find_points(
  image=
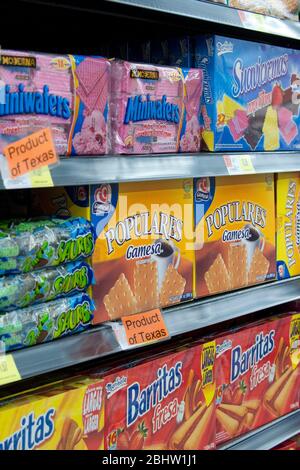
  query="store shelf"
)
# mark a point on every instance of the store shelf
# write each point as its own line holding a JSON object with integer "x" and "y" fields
{"x": 101, "y": 342}
{"x": 217, "y": 13}
{"x": 96, "y": 170}
{"x": 268, "y": 436}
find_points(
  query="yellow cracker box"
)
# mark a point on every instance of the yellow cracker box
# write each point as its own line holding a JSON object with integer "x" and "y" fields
{"x": 68, "y": 416}
{"x": 288, "y": 224}
{"x": 235, "y": 232}
{"x": 144, "y": 250}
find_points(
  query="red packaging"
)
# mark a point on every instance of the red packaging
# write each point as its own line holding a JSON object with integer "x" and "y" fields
{"x": 257, "y": 371}
{"x": 290, "y": 444}
{"x": 167, "y": 403}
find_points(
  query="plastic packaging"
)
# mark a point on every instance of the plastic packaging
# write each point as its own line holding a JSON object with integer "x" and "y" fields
{"x": 45, "y": 322}
{"x": 27, "y": 245}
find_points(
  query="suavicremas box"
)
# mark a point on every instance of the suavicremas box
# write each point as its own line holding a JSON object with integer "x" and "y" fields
{"x": 167, "y": 403}
{"x": 257, "y": 371}
{"x": 251, "y": 95}
{"x": 235, "y": 232}
{"x": 144, "y": 252}
{"x": 66, "y": 416}
{"x": 288, "y": 224}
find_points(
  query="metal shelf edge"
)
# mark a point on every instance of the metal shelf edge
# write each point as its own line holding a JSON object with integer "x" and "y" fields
{"x": 100, "y": 341}
{"x": 268, "y": 436}
{"x": 96, "y": 170}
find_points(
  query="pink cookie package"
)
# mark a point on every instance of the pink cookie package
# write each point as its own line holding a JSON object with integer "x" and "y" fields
{"x": 154, "y": 109}
{"x": 67, "y": 93}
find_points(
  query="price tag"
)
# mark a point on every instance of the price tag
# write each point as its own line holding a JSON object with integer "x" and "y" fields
{"x": 145, "y": 328}
{"x": 253, "y": 21}
{"x": 41, "y": 178}
{"x": 8, "y": 369}
{"x": 31, "y": 153}
{"x": 239, "y": 164}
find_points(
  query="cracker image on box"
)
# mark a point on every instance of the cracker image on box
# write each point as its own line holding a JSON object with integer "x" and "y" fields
{"x": 288, "y": 225}
{"x": 143, "y": 258}
{"x": 234, "y": 232}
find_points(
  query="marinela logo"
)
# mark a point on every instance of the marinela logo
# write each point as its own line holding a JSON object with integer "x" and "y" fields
{"x": 202, "y": 189}
{"x": 102, "y": 200}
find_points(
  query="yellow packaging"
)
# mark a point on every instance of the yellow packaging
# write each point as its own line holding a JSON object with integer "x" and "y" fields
{"x": 288, "y": 224}
{"x": 144, "y": 254}
{"x": 235, "y": 232}
{"x": 67, "y": 416}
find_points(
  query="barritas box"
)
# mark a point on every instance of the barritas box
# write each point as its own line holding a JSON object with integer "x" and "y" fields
{"x": 143, "y": 254}
{"x": 288, "y": 224}
{"x": 234, "y": 232}
{"x": 257, "y": 371}
{"x": 66, "y": 416}
{"x": 250, "y": 95}
{"x": 167, "y": 403}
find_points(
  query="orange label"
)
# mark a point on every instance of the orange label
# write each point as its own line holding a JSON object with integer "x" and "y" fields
{"x": 145, "y": 327}
{"x": 30, "y": 153}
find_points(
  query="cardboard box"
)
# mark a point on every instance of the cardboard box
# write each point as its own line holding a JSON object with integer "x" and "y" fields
{"x": 257, "y": 371}
{"x": 66, "y": 416}
{"x": 288, "y": 224}
{"x": 251, "y": 95}
{"x": 235, "y": 232}
{"x": 167, "y": 403}
{"x": 144, "y": 254}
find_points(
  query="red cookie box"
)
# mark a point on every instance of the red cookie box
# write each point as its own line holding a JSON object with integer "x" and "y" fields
{"x": 290, "y": 444}
{"x": 167, "y": 403}
{"x": 257, "y": 373}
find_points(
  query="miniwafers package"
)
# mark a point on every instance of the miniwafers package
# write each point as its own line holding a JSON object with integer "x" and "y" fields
{"x": 67, "y": 93}
{"x": 45, "y": 322}
{"x": 155, "y": 109}
{"x": 251, "y": 95}
{"x": 235, "y": 232}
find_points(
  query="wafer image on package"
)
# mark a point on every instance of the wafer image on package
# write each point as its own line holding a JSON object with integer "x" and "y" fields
{"x": 234, "y": 217}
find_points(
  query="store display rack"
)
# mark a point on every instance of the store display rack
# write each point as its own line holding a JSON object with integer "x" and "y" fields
{"x": 268, "y": 436}
{"x": 121, "y": 169}
{"x": 100, "y": 342}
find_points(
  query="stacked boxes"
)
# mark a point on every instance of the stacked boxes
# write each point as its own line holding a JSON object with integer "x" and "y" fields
{"x": 193, "y": 397}
{"x": 235, "y": 232}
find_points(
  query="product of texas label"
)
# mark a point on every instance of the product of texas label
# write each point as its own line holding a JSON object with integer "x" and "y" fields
{"x": 288, "y": 224}
{"x": 251, "y": 95}
{"x": 65, "y": 416}
{"x": 235, "y": 232}
{"x": 167, "y": 403}
{"x": 257, "y": 371}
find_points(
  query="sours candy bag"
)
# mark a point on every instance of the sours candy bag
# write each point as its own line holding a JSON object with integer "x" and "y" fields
{"x": 45, "y": 322}
{"x": 34, "y": 244}
{"x": 21, "y": 290}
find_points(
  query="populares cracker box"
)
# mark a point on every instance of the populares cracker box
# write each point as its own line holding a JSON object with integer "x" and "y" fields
{"x": 165, "y": 404}
{"x": 288, "y": 224}
{"x": 66, "y": 416}
{"x": 143, "y": 254}
{"x": 235, "y": 232}
{"x": 257, "y": 371}
{"x": 250, "y": 95}
{"x": 155, "y": 109}
{"x": 67, "y": 93}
